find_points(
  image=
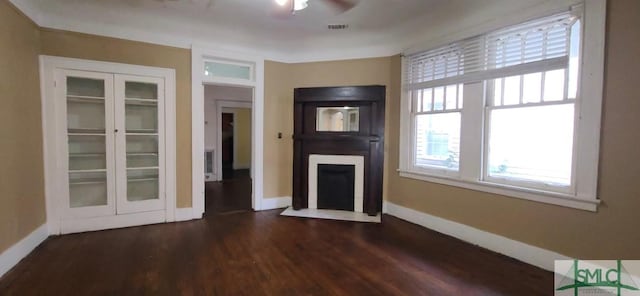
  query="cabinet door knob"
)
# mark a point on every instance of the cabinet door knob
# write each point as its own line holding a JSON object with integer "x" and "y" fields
{"x": 116, "y": 130}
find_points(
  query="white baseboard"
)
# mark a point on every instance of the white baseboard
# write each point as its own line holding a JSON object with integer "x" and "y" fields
{"x": 11, "y": 256}
{"x": 526, "y": 253}
{"x": 185, "y": 214}
{"x": 276, "y": 203}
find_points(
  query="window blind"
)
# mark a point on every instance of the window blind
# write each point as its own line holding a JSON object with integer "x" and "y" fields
{"x": 530, "y": 47}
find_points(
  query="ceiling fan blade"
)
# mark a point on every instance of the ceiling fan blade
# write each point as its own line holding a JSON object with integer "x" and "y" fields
{"x": 342, "y": 5}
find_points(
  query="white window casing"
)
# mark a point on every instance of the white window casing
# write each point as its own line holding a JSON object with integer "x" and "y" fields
{"x": 474, "y": 62}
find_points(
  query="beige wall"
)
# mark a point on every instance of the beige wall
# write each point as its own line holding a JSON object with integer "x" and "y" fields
{"x": 278, "y": 153}
{"x": 83, "y": 46}
{"x": 22, "y": 205}
{"x": 610, "y": 233}
{"x": 280, "y": 80}
{"x": 242, "y": 128}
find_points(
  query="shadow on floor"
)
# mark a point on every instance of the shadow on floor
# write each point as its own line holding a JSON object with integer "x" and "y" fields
{"x": 231, "y": 195}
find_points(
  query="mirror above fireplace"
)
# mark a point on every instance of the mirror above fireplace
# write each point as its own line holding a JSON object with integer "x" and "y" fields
{"x": 338, "y": 119}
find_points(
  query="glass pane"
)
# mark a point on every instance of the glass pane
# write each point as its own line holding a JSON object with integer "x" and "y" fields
{"x": 574, "y": 60}
{"x": 452, "y": 95}
{"x": 338, "y": 119}
{"x": 142, "y": 184}
{"x": 137, "y": 160}
{"x": 215, "y": 69}
{"x": 85, "y": 87}
{"x": 140, "y": 90}
{"x": 438, "y": 98}
{"x": 86, "y": 142}
{"x": 460, "y": 95}
{"x": 427, "y": 97}
{"x": 532, "y": 88}
{"x": 512, "y": 90}
{"x": 438, "y": 140}
{"x": 87, "y": 189}
{"x": 554, "y": 85}
{"x": 141, "y": 117}
{"x": 532, "y": 144}
{"x": 142, "y": 144}
{"x": 497, "y": 92}
{"x": 85, "y": 115}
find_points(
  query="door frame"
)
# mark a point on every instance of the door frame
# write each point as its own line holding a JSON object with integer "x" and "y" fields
{"x": 220, "y": 106}
{"x": 51, "y": 143}
{"x": 199, "y": 55}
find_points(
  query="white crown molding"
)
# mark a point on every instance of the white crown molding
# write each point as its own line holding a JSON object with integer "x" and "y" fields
{"x": 29, "y": 8}
{"x": 533, "y": 255}
{"x": 11, "y": 256}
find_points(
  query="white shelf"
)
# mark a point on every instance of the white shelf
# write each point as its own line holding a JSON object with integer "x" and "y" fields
{"x": 142, "y": 153}
{"x": 140, "y": 198}
{"x": 86, "y": 131}
{"x": 142, "y": 131}
{"x": 141, "y": 102}
{"x": 142, "y": 168}
{"x": 142, "y": 179}
{"x": 84, "y": 98}
{"x": 142, "y": 134}
{"x": 88, "y": 171}
{"x": 74, "y": 155}
{"x": 87, "y": 182}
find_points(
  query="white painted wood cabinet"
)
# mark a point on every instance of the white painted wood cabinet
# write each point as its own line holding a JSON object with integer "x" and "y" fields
{"x": 106, "y": 136}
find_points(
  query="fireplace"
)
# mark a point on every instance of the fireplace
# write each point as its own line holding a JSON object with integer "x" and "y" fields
{"x": 338, "y": 149}
{"x": 336, "y": 182}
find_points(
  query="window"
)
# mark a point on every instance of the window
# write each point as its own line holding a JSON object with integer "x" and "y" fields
{"x": 510, "y": 111}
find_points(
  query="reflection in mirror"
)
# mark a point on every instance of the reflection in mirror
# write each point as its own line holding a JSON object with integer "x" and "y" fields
{"x": 338, "y": 119}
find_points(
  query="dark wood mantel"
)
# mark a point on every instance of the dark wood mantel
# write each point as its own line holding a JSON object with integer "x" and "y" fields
{"x": 367, "y": 142}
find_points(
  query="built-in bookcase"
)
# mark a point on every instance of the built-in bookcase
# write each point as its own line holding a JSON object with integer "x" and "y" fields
{"x": 110, "y": 145}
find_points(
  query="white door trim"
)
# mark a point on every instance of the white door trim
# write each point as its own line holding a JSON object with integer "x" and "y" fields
{"x": 198, "y": 55}
{"x": 220, "y": 106}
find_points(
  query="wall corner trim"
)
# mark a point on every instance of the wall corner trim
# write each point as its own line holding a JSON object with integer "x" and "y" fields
{"x": 276, "y": 203}
{"x": 515, "y": 249}
{"x": 11, "y": 256}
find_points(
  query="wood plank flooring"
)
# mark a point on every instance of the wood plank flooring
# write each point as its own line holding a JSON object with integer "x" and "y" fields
{"x": 230, "y": 195}
{"x": 249, "y": 253}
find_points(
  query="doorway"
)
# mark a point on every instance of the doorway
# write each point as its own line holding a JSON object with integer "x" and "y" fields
{"x": 228, "y": 138}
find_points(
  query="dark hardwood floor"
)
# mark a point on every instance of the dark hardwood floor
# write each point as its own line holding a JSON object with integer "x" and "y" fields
{"x": 249, "y": 253}
{"x": 232, "y": 194}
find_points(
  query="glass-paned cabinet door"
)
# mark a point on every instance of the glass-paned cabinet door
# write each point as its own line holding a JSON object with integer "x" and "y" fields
{"x": 88, "y": 121}
{"x": 139, "y": 143}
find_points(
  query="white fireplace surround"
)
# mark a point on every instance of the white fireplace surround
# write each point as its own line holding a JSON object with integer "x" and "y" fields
{"x": 358, "y": 188}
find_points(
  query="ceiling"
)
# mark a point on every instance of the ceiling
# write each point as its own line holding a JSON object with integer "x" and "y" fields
{"x": 376, "y": 27}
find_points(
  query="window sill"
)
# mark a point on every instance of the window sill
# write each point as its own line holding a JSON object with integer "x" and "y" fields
{"x": 559, "y": 199}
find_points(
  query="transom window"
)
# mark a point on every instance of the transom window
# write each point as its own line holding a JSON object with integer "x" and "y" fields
{"x": 500, "y": 110}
